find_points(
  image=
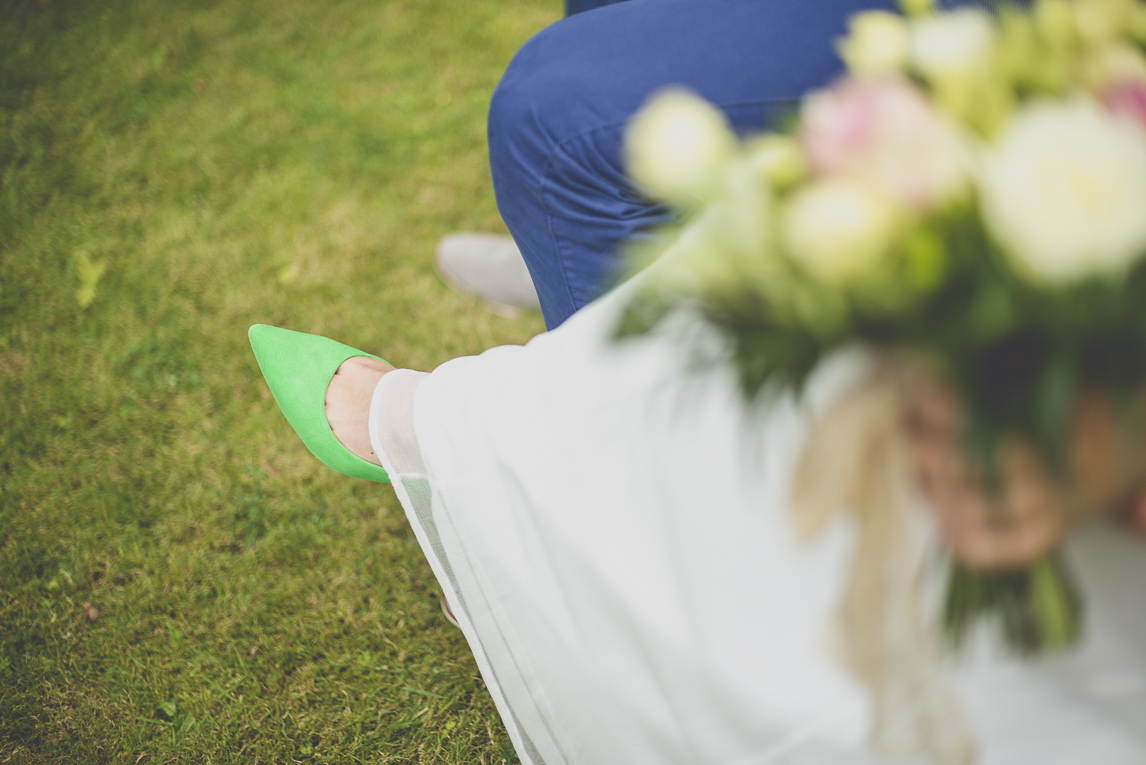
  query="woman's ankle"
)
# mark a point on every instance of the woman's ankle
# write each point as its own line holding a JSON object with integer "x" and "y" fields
{"x": 348, "y": 403}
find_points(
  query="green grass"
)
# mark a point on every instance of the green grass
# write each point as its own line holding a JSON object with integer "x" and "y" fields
{"x": 280, "y": 161}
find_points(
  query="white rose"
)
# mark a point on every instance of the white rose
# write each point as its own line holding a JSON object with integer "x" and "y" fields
{"x": 677, "y": 146}
{"x": 838, "y": 228}
{"x": 877, "y": 43}
{"x": 951, "y": 44}
{"x": 1064, "y": 190}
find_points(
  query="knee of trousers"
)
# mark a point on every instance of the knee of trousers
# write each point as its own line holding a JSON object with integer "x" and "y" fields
{"x": 519, "y": 147}
{"x": 556, "y": 172}
{"x": 533, "y": 108}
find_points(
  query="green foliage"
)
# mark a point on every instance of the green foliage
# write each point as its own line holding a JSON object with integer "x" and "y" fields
{"x": 162, "y": 166}
{"x": 1039, "y": 609}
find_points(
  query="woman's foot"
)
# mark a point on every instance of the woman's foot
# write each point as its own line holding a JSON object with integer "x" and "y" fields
{"x": 348, "y": 399}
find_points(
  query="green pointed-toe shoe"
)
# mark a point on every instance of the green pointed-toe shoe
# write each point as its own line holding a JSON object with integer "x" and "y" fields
{"x": 298, "y": 368}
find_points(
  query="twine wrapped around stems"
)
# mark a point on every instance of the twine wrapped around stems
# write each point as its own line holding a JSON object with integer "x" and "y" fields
{"x": 856, "y": 462}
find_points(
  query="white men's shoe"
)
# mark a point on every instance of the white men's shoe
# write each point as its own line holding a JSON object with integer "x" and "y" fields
{"x": 489, "y": 266}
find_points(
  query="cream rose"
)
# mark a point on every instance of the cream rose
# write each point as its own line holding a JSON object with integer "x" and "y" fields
{"x": 1064, "y": 190}
{"x": 838, "y": 228}
{"x": 877, "y": 43}
{"x": 778, "y": 159}
{"x": 677, "y": 147}
{"x": 954, "y": 44}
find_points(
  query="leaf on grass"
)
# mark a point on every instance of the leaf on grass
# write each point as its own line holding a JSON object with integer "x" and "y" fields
{"x": 288, "y": 273}
{"x": 90, "y": 273}
{"x": 168, "y": 709}
{"x": 424, "y": 693}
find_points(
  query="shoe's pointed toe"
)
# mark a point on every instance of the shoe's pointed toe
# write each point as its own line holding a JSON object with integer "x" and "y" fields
{"x": 298, "y": 368}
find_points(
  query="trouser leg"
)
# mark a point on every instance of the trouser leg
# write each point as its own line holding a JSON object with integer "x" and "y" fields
{"x": 558, "y": 116}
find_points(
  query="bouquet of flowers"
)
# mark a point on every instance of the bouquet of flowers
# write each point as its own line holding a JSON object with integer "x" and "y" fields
{"x": 969, "y": 200}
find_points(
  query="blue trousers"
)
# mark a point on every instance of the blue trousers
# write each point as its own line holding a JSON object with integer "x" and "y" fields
{"x": 557, "y": 118}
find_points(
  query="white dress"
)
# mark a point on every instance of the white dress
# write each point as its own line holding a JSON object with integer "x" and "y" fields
{"x": 610, "y": 524}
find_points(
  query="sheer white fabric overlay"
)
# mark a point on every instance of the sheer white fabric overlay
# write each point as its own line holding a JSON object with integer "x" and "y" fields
{"x": 609, "y": 523}
{"x": 393, "y": 437}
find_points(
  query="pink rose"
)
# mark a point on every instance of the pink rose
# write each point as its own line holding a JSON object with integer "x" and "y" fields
{"x": 1127, "y": 98}
{"x": 884, "y": 132}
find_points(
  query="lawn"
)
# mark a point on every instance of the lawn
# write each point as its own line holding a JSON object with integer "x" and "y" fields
{"x": 172, "y": 172}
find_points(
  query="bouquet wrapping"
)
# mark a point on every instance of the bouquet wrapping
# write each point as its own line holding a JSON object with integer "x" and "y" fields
{"x": 969, "y": 201}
